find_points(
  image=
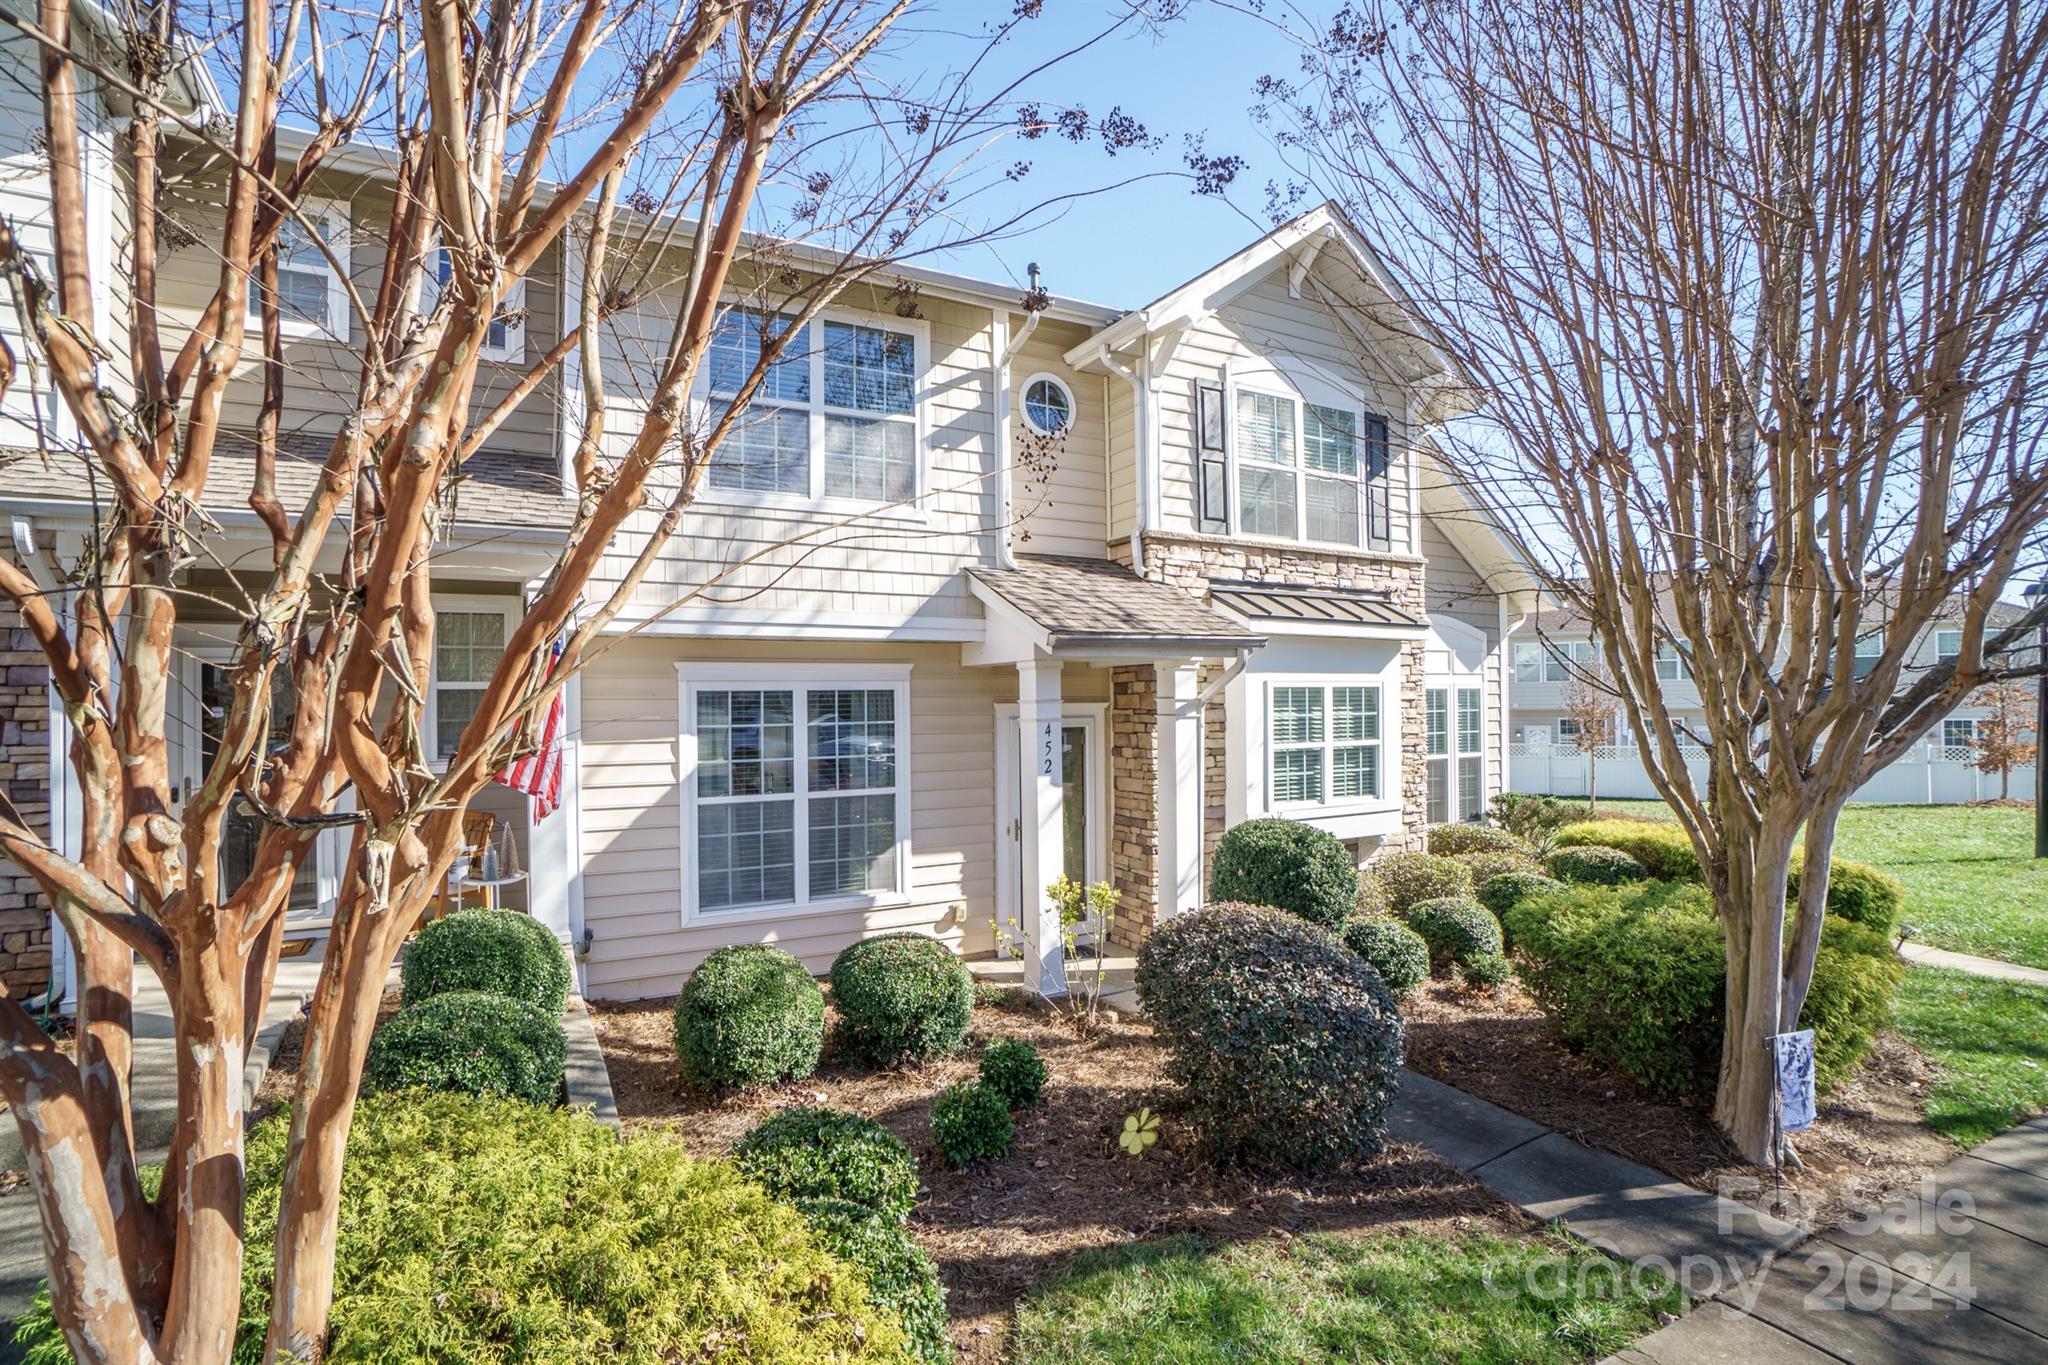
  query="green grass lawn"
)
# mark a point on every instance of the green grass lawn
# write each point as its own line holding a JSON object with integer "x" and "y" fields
{"x": 1972, "y": 882}
{"x": 1990, "y": 1040}
{"x": 1385, "y": 1297}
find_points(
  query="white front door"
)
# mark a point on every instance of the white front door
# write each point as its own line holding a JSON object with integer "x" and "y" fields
{"x": 1083, "y": 800}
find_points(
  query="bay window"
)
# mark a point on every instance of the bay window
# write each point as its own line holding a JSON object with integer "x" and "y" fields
{"x": 835, "y": 415}
{"x": 1323, "y": 743}
{"x": 794, "y": 794}
{"x": 1310, "y": 471}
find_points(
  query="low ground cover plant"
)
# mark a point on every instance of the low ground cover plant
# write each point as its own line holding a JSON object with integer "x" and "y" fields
{"x": 815, "y": 1153}
{"x": 499, "y": 951}
{"x": 1288, "y": 865}
{"x": 1285, "y": 1044}
{"x": 473, "y": 1043}
{"x": 901, "y": 995}
{"x": 750, "y": 1014}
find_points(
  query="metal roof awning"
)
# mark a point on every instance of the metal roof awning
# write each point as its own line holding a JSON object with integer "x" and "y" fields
{"x": 1303, "y": 609}
{"x": 1093, "y": 608}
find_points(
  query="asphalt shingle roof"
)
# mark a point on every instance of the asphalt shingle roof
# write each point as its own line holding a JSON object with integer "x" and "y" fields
{"x": 1094, "y": 601}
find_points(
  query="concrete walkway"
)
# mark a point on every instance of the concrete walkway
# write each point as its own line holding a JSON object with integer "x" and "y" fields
{"x": 1979, "y": 966}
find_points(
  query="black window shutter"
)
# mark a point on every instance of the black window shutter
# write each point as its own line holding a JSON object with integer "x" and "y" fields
{"x": 1212, "y": 474}
{"x": 1379, "y": 519}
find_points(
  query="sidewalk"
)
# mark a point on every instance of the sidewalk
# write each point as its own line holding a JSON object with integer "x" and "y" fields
{"x": 1977, "y": 966}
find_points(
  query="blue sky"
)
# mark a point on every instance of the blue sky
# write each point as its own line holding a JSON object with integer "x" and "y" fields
{"x": 1135, "y": 242}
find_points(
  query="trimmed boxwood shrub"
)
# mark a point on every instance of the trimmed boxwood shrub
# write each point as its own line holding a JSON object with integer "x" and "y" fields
{"x": 1458, "y": 931}
{"x": 1484, "y": 867}
{"x": 1392, "y": 949}
{"x": 1635, "y": 977}
{"x": 1860, "y": 894}
{"x": 899, "y": 995}
{"x": 1288, "y": 865}
{"x": 473, "y": 1043}
{"x": 1485, "y": 971}
{"x": 815, "y": 1153}
{"x": 1012, "y": 1068}
{"x": 1286, "y": 1046}
{"x": 1499, "y": 894}
{"x": 1594, "y": 865}
{"x": 492, "y": 1232}
{"x": 500, "y": 951}
{"x": 1449, "y": 841}
{"x": 902, "y": 1280}
{"x": 1412, "y": 877}
{"x": 748, "y": 1015}
{"x": 971, "y": 1121}
{"x": 1663, "y": 849}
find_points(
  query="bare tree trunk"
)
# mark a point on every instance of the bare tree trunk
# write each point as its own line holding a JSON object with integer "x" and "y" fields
{"x": 1751, "y": 899}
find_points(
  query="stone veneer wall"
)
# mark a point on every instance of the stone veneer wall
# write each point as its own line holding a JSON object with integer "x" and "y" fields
{"x": 1134, "y": 818}
{"x": 25, "y": 773}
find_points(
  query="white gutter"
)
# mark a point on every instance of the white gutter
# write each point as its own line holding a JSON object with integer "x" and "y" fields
{"x": 1139, "y": 380}
{"x": 1005, "y": 347}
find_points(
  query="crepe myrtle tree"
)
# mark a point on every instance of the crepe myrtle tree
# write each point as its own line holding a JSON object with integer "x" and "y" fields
{"x": 660, "y": 137}
{"x": 1745, "y": 306}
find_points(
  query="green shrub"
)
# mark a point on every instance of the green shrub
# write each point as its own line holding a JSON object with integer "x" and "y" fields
{"x": 1393, "y": 950}
{"x": 472, "y": 1043}
{"x": 1372, "y": 896}
{"x": 500, "y": 951}
{"x": 1499, "y": 894}
{"x": 1449, "y": 841}
{"x": 489, "y": 1232}
{"x": 1412, "y": 877}
{"x": 1012, "y": 1068}
{"x": 971, "y": 1121}
{"x": 901, "y": 995}
{"x": 1663, "y": 849}
{"x": 748, "y": 1015}
{"x": 1484, "y": 867}
{"x": 1288, "y": 865}
{"x": 1457, "y": 930}
{"x": 1636, "y": 977}
{"x": 903, "y": 1281}
{"x": 1860, "y": 894}
{"x": 1591, "y": 865}
{"x": 1535, "y": 820}
{"x": 814, "y": 1153}
{"x": 1485, "y": 971}
{"x": 1286, "y": 1046}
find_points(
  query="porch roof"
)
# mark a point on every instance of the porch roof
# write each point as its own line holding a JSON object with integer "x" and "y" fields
{"x": 1078, "y": 603}
{"x": 1299, "y": 608}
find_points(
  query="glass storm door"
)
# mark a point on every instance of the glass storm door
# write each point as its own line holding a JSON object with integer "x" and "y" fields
{"x": 242, "y": 828}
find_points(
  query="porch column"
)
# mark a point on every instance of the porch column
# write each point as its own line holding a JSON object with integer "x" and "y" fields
{"x": 1039, "y": 823}
{"x": 1177, "y": 693}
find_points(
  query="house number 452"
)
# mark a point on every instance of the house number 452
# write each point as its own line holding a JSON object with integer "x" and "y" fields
{"x": 1045, "y": 734}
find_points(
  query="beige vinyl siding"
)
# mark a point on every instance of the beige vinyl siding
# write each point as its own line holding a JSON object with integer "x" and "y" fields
{"x": 1453, "y": 588}
{"x": 322, "y": 372}
{"x": 1061, "y": 510}
{"x": 1123, "y": 459}
{"x": 25, "y": 201}
{"x": 632, "y": 832}
{"x": 838, "y": 560}
{"x": 1262, "y": 330}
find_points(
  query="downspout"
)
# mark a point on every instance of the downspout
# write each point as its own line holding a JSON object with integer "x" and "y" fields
{"x": 1141, "y": 423}
{"x": 1005, "y": 349}
{"x": 24, "y": 532}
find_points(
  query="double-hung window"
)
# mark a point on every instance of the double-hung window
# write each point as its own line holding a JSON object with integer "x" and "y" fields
{"x": 1323, "y": 743}
{"x": 505, "y": 338}
{"x": 1670, "y": 667}
{"x": 1559, "y": 660}
{"x": 1948, "y": 645}
{"x": 311, "y": 299}
{"x": 1869, "y": 649}
{"x": 835, "y": 415}
{"x": 796, "y": 792}
{"x": 1310, "y": 471}
{"x": 1453, "y": 736}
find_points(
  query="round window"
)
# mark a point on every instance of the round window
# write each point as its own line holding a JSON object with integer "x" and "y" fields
{"x": 1047, "y": 405}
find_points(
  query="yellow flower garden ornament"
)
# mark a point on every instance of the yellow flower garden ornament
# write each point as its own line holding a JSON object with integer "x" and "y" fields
{"x": 1141, "y": 1130}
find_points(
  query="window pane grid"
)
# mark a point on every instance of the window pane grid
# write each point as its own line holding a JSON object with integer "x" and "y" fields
{"x": 1468, "y": 720}
{"x": 1436, "y": 726}
{"x": 768, "y": 450}
{"x": 1324, "y": 743}
{"x": 1265, "y": 428}
{"x": 1329, "y": 440}
{"x": 869, "y": 369}
{"x": 873, "y": 459}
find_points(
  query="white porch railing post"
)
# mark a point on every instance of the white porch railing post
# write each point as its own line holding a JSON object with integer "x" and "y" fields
{"x": 1040, "y": 822}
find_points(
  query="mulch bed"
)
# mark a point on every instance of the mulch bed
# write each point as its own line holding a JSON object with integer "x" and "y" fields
{"x": 1003, "y": 1225}
{"x": 1871, "y": 1138}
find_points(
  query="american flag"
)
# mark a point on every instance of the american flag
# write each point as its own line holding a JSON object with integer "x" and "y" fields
{"x": 538, "y": 773}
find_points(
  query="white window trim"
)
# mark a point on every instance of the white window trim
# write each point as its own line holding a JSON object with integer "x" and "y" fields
{"x": 1274, "y": 383}
{"x": 1947, "y": 721}
{"x": 339, "y": 323}
{"x": 1666, "y": 655}
{"x": 430, "y": 721}
{"x": 1941, "y": 656}
{"x": 1066, "y": 390}
{"x": 1451, "y": 684}
{"x": 1389, "y": 742}
{"x": 912, "y": 509}
{"x": 513, "y": 352}
{"x": 691, "y": 677}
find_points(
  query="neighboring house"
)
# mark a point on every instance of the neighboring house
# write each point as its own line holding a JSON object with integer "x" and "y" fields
{"x": 1236, "y": 585}
{"x": 1558, "y": 646}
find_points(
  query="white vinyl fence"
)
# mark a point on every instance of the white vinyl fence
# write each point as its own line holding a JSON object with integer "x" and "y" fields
{"x": 1932, "y": 774}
